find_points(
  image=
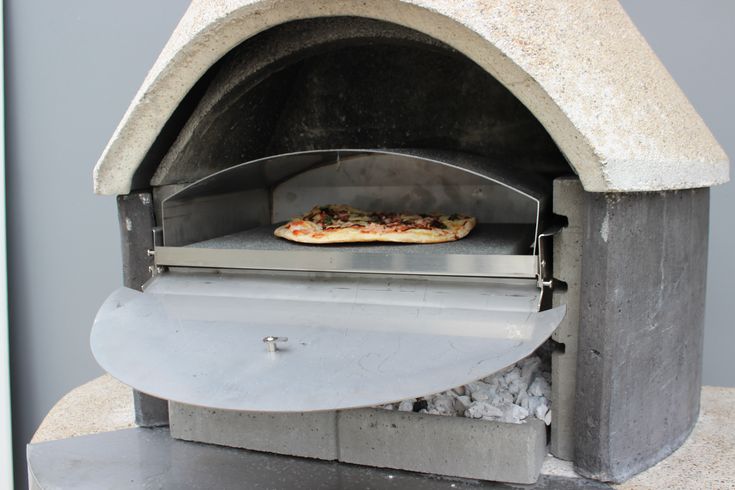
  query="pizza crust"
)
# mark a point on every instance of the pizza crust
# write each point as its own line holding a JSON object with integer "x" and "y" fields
{"x": 303, "y": 230}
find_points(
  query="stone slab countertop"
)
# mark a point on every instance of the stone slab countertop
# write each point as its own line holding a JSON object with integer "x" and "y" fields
{"x": 705, "y": 460}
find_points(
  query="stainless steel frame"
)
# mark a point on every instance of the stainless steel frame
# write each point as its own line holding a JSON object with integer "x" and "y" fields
{"x": 522, "y": 266}
{"x": 250, "y": 195}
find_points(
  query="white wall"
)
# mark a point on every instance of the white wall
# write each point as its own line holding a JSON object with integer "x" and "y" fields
{"x": 74, "y": 66}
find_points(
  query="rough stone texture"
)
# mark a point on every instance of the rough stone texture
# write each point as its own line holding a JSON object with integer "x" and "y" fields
{"x": 569, "y": 201}
{"x": 583, "y": 70}
{"x": 101, "y": 405}
{"x": 705, "y": 460}
{"x": 351, "y": 83}
{"x": 452, "y": 446}
{"x": 639, "y": 366}
{"x": 311, "y": 435}
{"x": 136, "y": 219}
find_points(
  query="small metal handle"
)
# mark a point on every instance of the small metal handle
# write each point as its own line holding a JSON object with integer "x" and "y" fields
{"x": 270, "y": 342}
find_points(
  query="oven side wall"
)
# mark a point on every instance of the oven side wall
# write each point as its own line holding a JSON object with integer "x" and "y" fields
{"x": 569, "y": 201}
{"x": 137, "y": 220}
{"x": 639, "y": 368}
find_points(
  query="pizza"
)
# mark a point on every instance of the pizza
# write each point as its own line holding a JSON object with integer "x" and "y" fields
{"x": 339, "y": 223}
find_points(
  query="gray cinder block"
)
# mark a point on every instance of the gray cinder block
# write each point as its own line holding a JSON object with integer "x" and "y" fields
{"x": 453, "y": 446}
{"x": 639, "y": 368}
{"x": 569, "y": 201}
{"x": 311, "y": 435}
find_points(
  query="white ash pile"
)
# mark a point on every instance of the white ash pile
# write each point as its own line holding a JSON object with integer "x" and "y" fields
{"x": 511, "y": 395}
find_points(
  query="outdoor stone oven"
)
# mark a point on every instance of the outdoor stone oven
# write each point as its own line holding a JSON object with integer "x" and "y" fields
{"x": 551, "y": 121}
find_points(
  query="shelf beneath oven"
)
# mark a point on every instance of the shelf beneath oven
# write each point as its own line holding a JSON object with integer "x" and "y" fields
{"x": 499, "y": 250}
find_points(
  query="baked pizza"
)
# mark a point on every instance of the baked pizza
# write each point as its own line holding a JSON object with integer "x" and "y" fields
{"x": 339, "y": 223}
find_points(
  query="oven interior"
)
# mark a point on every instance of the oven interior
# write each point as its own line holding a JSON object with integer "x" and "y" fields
{"x": 227, "y": 219}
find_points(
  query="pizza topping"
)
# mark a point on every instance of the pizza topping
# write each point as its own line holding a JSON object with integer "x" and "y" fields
{"x": 334, "y": 223}
{"x": 336, "y": 216}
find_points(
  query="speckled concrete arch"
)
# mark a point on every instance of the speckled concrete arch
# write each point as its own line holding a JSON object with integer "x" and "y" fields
{"x": 581, "y": 67}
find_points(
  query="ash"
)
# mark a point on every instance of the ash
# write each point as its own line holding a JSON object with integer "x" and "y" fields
{"x": 512, "y": 395}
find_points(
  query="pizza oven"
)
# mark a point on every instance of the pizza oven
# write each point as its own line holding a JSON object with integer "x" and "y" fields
{"x": 580, "y": 291}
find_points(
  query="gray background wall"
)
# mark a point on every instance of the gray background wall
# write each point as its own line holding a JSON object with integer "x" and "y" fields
{"x": 72, "y": 68}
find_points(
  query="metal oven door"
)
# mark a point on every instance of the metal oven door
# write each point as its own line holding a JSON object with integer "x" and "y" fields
{"x": 305, "y": 341}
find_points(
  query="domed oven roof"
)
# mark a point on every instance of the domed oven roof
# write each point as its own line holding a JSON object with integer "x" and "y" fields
{"x": 584, "y": 71}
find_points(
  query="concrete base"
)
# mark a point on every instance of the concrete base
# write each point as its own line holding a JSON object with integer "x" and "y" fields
{"x": 104, "y": 405}
{"x": 644, "y": 266}
{"x": 450, "y": 446}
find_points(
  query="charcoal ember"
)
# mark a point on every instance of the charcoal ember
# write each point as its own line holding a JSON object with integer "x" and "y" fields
{"x": 406, "y": 406}
{"x": 481, "y": 393}
{"x": 532, "y": 403}
{"x": 516, "y": 387}
{"x": 462, "y": 403}
{"x": 511, "y": 395}
{"x": 512, "y": 376}
{"x": 483, "y": 410}
{"x": 540, "y": 387}
{"x": 441, "y": 405}
{"x": 474, "y": 387}
{"x": 541, "y": 411}
{"x": 512, "y": 413}
{"x": 530, "y": 367}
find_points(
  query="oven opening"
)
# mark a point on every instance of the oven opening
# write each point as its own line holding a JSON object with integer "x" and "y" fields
{"x": 378, "y": 117}
{"x": 227, "y": 220}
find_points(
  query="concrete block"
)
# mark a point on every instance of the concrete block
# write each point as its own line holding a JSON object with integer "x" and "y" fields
{"x": 452, "y": 446}
{"x": 644, "y": 265}
{"x": 310, "y": 435}
{"x": 568, "y": 201}
{"x": 149, "y": 410}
